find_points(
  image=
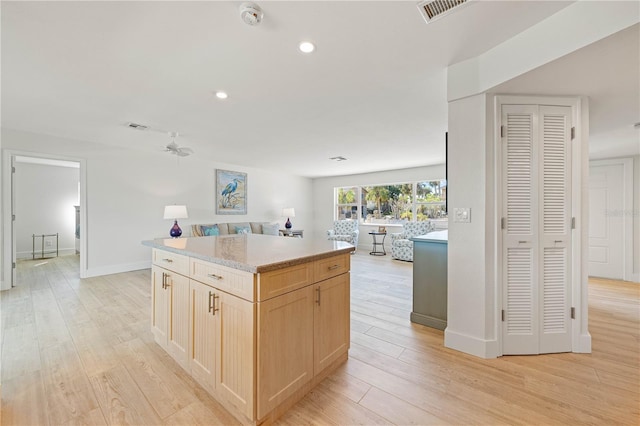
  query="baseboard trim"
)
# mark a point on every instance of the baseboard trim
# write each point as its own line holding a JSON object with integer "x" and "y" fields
{"x": 116, "y": 269}
{"x": 471, "y": 345}
{"x": 583, "y": 345}
{"x": 29, "y": 255}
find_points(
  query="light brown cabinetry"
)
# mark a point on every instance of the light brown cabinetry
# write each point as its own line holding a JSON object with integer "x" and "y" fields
{"x": 170, "y": 312}
{"x": 222, "y": 345}
{"x": 301, "y": 332}
{"x": 331, "y": 319}
{"x": 256, "y": 342}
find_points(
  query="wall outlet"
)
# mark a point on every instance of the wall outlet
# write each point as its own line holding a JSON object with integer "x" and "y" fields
{"x": 462, "y": 214}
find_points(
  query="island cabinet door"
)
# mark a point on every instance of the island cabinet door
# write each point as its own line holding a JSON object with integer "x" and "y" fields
{"x": 202, "y": 335}
{"x": 285, "y": 347}
{"x": 331, "y": 321}
{"x": 177, "y": 286}
{"x": 170, "y": 313}
{"x": 236, "y": 355}
{"x": 159, "y": 306}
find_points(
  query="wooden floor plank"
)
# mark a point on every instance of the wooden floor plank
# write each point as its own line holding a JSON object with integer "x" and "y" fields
{"x": 80, "y": 351}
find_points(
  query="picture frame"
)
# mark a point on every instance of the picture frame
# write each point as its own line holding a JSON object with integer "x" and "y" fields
{"x": 231, "y": 192}
{"x": 382, "y": 229}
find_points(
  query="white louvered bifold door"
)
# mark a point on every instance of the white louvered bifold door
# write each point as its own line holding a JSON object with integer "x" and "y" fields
{"x": 555, "y": 224}
{"x": 520, "y": 275}
{"x": 536, "y": 209}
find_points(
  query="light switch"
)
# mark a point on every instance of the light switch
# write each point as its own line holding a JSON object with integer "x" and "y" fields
{"x": 462, "y": 214}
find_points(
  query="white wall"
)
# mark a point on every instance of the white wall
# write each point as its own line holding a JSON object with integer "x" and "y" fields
{"x": 471, "y": 303}
{"x": 323, "y": 196}
{"x": 128, "y": 189}
{"x": 636, "y": 218}
{"x": 45, "y": 196}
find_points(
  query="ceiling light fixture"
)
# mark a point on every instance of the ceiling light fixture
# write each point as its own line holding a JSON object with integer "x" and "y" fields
{"x": 338, "y": 158}
{"x": 306, "y": 47}
{"x": 221, "y": 95}
{"x": 637, "y": 125}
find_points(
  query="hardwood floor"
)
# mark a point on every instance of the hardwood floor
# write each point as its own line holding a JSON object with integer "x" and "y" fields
{"x": 81, "y": 352}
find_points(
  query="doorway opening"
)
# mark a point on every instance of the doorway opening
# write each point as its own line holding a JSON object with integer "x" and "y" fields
{"x": 44, "y": 214}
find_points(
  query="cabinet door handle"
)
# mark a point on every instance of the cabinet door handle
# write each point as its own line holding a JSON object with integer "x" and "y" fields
{"x": 168, "y": 260}
{"x": 215, "y": 277}
{"x": 557, "y": 241}
{"x": 211, "y": 302}
{"x": 166, "y": 281}
{"x": 318, "y": 300}
{"x": 523, "y": 242}
{"x": 331, "y": 268}
{"x": 213, "y": 311}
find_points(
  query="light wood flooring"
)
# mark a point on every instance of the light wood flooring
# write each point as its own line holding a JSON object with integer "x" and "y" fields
{"x": 80, "y": 352}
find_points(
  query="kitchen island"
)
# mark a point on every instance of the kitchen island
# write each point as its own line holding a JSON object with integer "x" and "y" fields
{"x": 257, "y": 320}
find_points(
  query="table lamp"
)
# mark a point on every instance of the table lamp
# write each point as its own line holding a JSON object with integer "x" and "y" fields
{"x": 175, "y": 212}
{"x": 288, "y": 212}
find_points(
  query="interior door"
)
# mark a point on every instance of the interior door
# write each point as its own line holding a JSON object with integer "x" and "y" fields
{"x": 606, "y": 235}
{"x": 13, "y": 221}
{"x": 536, "y": 241}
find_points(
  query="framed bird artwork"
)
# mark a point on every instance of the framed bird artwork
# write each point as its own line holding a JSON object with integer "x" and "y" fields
{"x": 231, "y": 192}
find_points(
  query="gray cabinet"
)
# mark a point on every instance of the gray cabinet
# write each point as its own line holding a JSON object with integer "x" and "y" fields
{"x": 430, "y": 279}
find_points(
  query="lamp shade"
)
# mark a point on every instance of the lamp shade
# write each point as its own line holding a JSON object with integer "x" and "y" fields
{"x": 175, "y": 212}
{"x": 289, "y": 212}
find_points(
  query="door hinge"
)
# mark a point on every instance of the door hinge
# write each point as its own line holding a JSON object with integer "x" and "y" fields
{"x": 13, "y": 265}
{"x": 502, "y": 131}
{"x": 502, "y": 223}
{"x": 573, "y": 223}
{"x": 503, "y": 315}
{"x": 573, "y": 313}
{"x": 13, "y": 217}
{"x": 13, "y": 169}
{"x": 573, "y": 133}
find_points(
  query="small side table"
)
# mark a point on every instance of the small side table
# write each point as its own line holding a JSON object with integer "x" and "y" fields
{"x": 292, "y": 232}
{"x": 376, "y": 243}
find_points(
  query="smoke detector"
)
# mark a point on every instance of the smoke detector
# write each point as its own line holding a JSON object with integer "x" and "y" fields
{"x": 251, "y": 13}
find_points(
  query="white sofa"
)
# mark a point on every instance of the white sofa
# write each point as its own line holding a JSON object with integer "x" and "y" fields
{"x": 201, "y": 230}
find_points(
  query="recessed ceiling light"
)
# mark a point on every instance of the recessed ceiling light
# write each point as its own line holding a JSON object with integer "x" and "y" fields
{"x": 221, "y": 95}
{"x": 306, "y": 47}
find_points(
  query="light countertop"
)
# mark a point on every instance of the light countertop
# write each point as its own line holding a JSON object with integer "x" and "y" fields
{"x": 252, "y": 252}
{"x": 436, "y": 236}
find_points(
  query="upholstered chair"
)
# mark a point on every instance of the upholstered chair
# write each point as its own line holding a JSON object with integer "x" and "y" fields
{"x": 344, "y": 230}
{"x": 401, "y": 245}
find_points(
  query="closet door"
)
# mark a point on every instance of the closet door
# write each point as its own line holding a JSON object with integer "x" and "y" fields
{"x": 555, "y": 229}
{"x": 520, "y": 225}
{"x": 536, "y": 229}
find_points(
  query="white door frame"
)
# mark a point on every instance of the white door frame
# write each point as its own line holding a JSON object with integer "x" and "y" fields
{"x": 627, "y": 208}
{"x": 8, "y": 238}
{"x": 581, "y": 339}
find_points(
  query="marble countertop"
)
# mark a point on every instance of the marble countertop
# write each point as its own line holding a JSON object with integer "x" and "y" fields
{"x": 252, "y": 252}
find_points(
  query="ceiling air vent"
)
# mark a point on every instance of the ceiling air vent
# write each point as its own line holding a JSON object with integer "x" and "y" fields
{"x": 137, "y": 126}
{"x": 432, "y": 9}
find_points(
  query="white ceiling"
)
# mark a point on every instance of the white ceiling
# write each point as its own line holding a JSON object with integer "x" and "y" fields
{"x": 374, "y": 91}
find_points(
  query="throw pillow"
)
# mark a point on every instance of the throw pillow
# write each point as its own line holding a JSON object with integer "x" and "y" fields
{"x": 243, "y": 230}
{"x": 271, "y": 229}
{"x": 210, "y": 230}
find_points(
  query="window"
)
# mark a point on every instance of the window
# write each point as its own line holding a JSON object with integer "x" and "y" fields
{"x": 393, "y": 203}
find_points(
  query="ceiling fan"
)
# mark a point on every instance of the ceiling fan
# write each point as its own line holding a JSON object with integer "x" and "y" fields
{"x": 173, "y": 148}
